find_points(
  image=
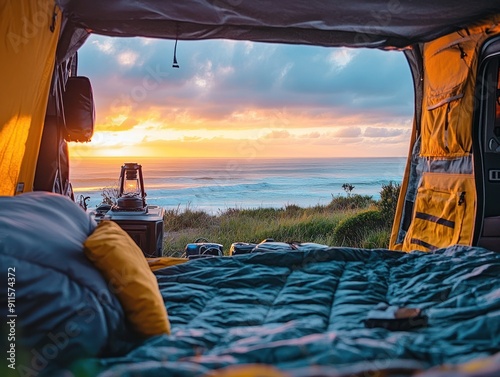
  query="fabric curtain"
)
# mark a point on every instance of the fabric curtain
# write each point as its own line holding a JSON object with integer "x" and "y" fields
{"x": 29, "y": 32}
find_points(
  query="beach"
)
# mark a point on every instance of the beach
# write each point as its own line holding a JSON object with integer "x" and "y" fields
{"x": 216, "y": 184}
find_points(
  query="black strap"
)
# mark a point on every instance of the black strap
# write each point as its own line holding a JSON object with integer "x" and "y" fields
{"x": 417, "y": 241}
{"x": 435, "y": 219}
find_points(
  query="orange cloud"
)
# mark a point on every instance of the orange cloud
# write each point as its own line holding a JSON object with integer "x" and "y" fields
{"x": 269, "y": 145}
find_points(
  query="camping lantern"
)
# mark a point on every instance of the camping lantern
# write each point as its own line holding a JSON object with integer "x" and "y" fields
{"x": 131, "y": 195}
{"x": 143, "y": 223}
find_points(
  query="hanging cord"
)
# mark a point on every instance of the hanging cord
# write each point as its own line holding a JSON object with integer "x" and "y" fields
{"x": 175, "y": 64}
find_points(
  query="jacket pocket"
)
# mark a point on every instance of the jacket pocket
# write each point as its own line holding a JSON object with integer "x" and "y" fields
{"x": 447, "y": 107}
{"x": 443, "y": 213}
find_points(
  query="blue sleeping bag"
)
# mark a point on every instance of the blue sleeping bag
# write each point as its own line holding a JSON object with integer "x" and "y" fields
{"x": 58, "y": 306}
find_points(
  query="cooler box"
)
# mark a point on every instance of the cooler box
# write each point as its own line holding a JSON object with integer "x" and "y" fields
{"x": 146, "y": 229}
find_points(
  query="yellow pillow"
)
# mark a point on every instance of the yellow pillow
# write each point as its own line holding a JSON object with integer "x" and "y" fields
{"x": 127, "y": 272}
{"x": 162, "y": 262}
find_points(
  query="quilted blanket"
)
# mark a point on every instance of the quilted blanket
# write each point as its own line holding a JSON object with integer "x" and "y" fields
{"x": 304, "y": 313}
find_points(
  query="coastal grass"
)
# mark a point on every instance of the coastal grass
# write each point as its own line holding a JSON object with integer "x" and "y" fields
{"x": 353, "y": 220}
{"x": 250, "y": 225}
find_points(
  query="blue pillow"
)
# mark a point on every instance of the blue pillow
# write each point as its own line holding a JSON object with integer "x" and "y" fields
{"x": 60, "y": 307}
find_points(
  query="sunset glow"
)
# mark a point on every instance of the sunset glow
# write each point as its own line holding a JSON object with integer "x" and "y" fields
{"x": 244, "y": 99}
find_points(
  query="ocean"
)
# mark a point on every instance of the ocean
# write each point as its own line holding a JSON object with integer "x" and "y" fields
{"x": 215, "y": 185}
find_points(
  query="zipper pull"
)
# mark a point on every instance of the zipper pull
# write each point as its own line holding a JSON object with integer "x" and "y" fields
{"x": 461, "y": 199}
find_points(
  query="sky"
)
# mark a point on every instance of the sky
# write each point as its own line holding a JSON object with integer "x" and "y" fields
{"x": 245, "y": 100}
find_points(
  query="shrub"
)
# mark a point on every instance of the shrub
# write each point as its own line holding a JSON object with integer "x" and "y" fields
{"x": 348, "y": 188}
{"x": 292, "y": 210}
{"x": 353, "y": 230}
{"x": 356, "y": 201}
{"x": 389, "y": 200}
{"x": 110, "y": 194}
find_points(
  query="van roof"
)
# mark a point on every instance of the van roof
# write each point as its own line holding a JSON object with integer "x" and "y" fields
{"x": 361, "y": 23}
